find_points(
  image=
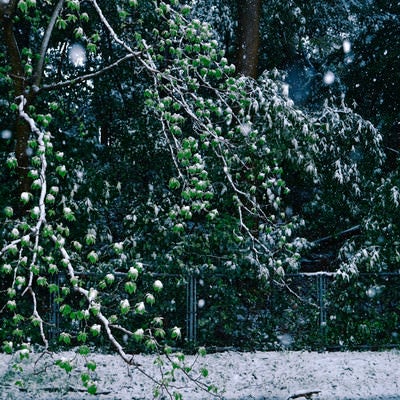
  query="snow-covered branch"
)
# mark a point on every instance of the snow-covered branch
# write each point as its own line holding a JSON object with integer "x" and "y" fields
{"x": 36, "y": 231}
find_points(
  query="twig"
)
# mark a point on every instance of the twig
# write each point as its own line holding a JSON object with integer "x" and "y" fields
{"x": 86, "y": 77}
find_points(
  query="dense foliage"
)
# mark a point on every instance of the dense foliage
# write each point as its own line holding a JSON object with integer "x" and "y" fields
{"x": 134, "y": 157}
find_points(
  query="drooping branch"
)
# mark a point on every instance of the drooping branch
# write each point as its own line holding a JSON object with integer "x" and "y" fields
{"x": 176, "y": 87}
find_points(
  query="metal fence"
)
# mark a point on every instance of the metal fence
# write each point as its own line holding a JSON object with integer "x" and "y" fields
{"x": 307, "y": 310}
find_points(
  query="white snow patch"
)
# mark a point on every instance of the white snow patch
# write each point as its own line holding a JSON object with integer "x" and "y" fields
{"x": 240, "y": 376}
{"x": 285, "y": 90}
{"x": 245, "y": 129}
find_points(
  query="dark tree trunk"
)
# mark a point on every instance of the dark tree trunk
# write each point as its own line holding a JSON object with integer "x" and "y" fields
{"x": 248, "y": 37}
{"x": 22, "y": 130}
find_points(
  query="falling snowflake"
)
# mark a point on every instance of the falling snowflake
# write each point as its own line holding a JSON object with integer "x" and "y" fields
{"x": 5, "y": 134}
{"x": 77, "y": 55}
{"x": 329, "y": 78}
{"x": 346, "y": 46}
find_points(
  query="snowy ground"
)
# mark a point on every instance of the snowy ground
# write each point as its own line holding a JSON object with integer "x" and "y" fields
{"x": 260, "y": 375}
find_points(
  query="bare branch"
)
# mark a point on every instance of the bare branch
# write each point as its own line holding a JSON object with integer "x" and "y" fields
{"x": 86, "y": 77}
{"x": 45, "y": 44}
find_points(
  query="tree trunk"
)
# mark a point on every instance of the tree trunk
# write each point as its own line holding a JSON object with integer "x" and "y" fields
{"x": 248, "y": 37}
{"x": 22, "y": 130}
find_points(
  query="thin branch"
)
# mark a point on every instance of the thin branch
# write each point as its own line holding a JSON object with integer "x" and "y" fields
{"x": 86, "y": 77}
{"x": 151, "y": 68}
{"x": 45, "y": 44}
{"x": 353, "y": 229}
{"x": 110, "y": 29}
{"x": 393, "y": 150}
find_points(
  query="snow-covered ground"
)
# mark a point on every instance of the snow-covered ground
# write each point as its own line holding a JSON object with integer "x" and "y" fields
{"x": 259, "y": 375}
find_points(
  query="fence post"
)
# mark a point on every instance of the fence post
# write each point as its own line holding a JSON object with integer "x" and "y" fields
{"x": 54, "y": 329}
{"x": 321, "y": 295}
{"x": 191, "y": 308}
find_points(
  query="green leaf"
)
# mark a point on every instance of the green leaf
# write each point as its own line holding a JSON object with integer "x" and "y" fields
{"x": 85, "y": 378}
{"x": 52, "y": 269}
{"x": 176, "y": 333}
{"x": 65, "y": 365}
{"x": 23, "y": 6}
{"x": 84, "y": 17}
{"x": 61, "y": 23}
{"x": 91, "y": 365}
{"x": 73, "y": 5}
{"x": 8, "y": 212}
{"x": 90, "y": 237}
{"x": 133, "y": 273}
{"x": 12, "y": 162}
{"x": 11, "y": 305}
{"x": 65, "y": 310}
{"x": 17, "y": 318}
{"x": 185, "y": 10}
{"x": 42, "y": 281}
{"x": 157, "y": 285}
{"x": 174, "y": 183}
{"x": 65, "y": 338}
{"x": 93, "y": 257}
{"x": 125, "y": 306}
{"x": 61, "y": 170}
{"x": 150, "y": 299}
{"x": 82, "y": 337}
{"x": 130, "y": 287}
{"x": 68, "y": 214}
{"x": 95, "y": 37}
{"x": 53, "y": 288}
{"x": 84, "y": 350}
{"x": 7, "y": 347}
{"x": 92, "y": 388}
{"x": 202, "y": 351}
{"x": 95, "y": 329}
{"x": 91, "y": 48}
{"x": 138, "y": 334}
{"x": 151, "y": 344}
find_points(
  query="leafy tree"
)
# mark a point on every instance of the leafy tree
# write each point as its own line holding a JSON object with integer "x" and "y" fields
{"x": 209, "y": 173}
{"x": 135, "y": 148}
